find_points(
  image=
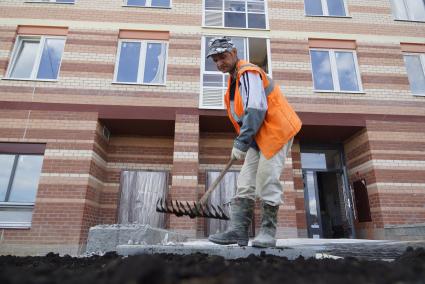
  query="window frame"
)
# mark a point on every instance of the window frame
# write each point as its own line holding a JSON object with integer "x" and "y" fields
{"x": 324, "y": 4}
{"x": 12, "y": 178}
{"x": 50, "y": 2}
{"x": 406, "y": 10}
{"x": 202, "y": 69}
{"x": 334, "y": 70}
{"x": 125, "y": 4}
{"x": 21, "y": 210}
{"x": 143, "y": 42}
{"x": 422, "y": 60}
{"x": 266, "y": 14}
{"x": 35, "y": 69}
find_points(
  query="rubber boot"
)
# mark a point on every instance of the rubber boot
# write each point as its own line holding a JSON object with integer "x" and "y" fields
{"x": 241, "y": 217}
{"x": 266, "y": 237}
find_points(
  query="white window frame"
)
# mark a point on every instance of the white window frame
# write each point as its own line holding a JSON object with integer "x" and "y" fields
{"x": 50, "y": 2}
{"x": 266, "y": 13}
{"x": 202, "y": 72}
{"x": 33, "y": 76}
{"x": 422, "y": 60}
{"x": 147, "y": 5}
{"x": 21, "y": 209}
{"x": 142, "y": 60}
{"x": 334, "y": 71}
{"x": 409, "y": 17}
{"x": 325, "y": 10}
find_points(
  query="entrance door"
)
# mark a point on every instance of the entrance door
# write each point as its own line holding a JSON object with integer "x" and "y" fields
{"x": 312, "y": 205}
{"x": 326, "y": 195}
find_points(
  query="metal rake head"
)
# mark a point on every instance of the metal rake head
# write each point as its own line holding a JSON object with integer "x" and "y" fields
{"x": 179, "y": 209}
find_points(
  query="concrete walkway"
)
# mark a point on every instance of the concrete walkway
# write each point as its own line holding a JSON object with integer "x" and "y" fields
{"x": 290, "y": 248}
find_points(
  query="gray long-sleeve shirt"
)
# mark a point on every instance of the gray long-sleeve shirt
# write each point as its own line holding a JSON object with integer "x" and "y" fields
{"x": 255, "y": 107}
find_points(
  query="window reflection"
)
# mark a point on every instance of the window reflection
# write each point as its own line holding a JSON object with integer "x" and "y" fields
{"x": 161, "y": 3}
{"x": 313, "y": 7}
{"x": 322, "y": 73}
{"x": 129, "y": 62}
{"x": 235, "y": 13}
{"x": 346, "y": 71}
{"x": 136, "y": 2}
{"x": 6, "y": 166}
{"x": 213, "y": 4}
{"x": 236, "y": 20}
{"x": 24, "y": 63}
{"x": 311, "y": 190}
{"x": 415, "y": 73}
{"x": 416, "y": 10}
{"x": 155, "y": 63}
{"x": 336, "y": 7}
{"x": 149, "y": 56}
{"x": 19, "y": 185}
{"x": 25, "y": 183}
{"x": 320, "y": 159}
{"x": 50, "y": 59}
{"x": 256, "y": 21}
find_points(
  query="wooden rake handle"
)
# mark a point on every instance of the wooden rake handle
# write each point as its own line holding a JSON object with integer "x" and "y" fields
{"x": 207, "y": 194}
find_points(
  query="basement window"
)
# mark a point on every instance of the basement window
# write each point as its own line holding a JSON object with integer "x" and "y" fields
{"x": 20, "y": 168}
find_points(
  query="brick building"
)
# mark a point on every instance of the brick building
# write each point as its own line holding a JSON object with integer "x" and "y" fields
{"x": 94, "y": 92}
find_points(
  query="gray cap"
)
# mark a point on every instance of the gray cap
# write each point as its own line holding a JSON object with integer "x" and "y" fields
{"x": 219, "y": 45}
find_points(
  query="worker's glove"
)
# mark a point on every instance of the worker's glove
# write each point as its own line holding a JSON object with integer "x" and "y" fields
{"x": 237, "y": 154}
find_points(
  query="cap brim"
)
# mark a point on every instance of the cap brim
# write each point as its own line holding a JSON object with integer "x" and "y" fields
{"x": 212, "y": 53}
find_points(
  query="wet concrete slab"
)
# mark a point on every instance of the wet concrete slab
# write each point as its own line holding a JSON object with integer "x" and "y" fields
{"x": 289, "y": 248}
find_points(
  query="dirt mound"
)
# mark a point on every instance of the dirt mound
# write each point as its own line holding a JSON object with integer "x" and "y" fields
{"x": 205, "y": 269}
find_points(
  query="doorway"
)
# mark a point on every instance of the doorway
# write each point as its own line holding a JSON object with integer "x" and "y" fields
{"x": 328, "y": 201}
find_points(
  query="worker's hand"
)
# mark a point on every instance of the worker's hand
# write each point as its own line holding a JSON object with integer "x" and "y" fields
{"x": 237, "y": 154}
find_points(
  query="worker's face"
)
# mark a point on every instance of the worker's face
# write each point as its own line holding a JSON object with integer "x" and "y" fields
{"x": 225, "y": 61}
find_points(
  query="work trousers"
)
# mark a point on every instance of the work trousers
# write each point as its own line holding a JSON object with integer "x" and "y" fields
{"x": 259, "y": 177}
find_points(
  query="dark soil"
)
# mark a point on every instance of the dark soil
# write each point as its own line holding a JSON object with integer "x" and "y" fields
{"x": 204, "y": 269}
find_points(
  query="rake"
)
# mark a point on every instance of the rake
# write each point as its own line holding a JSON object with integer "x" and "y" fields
{"x": 199, "y": 208}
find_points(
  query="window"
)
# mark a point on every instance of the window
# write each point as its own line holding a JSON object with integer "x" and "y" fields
{"x": 415, "y": 65}
{"x": 409, "y": 10}
{"x": 19, "y": 176}
{"x": 335, "y": 8}
{"x": 235, "y": 14}
{"x": 55, "y": 1}
{"x": 148, "y": 3}
{"x": 141, "y": 62}
{"x": 214, "y": 82}
{"x": 37, "y": 58}
{"x": 335, "y": 70}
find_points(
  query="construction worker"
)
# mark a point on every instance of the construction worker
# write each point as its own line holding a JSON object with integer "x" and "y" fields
{"x": 265, "y": 124}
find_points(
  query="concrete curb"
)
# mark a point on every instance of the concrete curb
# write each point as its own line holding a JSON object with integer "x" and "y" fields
{"x": 228, "y": 252}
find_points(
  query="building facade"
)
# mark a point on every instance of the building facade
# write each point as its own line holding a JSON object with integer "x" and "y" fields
{"x": 106, "y": 106}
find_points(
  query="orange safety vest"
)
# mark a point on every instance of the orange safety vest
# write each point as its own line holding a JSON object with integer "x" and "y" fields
{"x": 281, "y": 122}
